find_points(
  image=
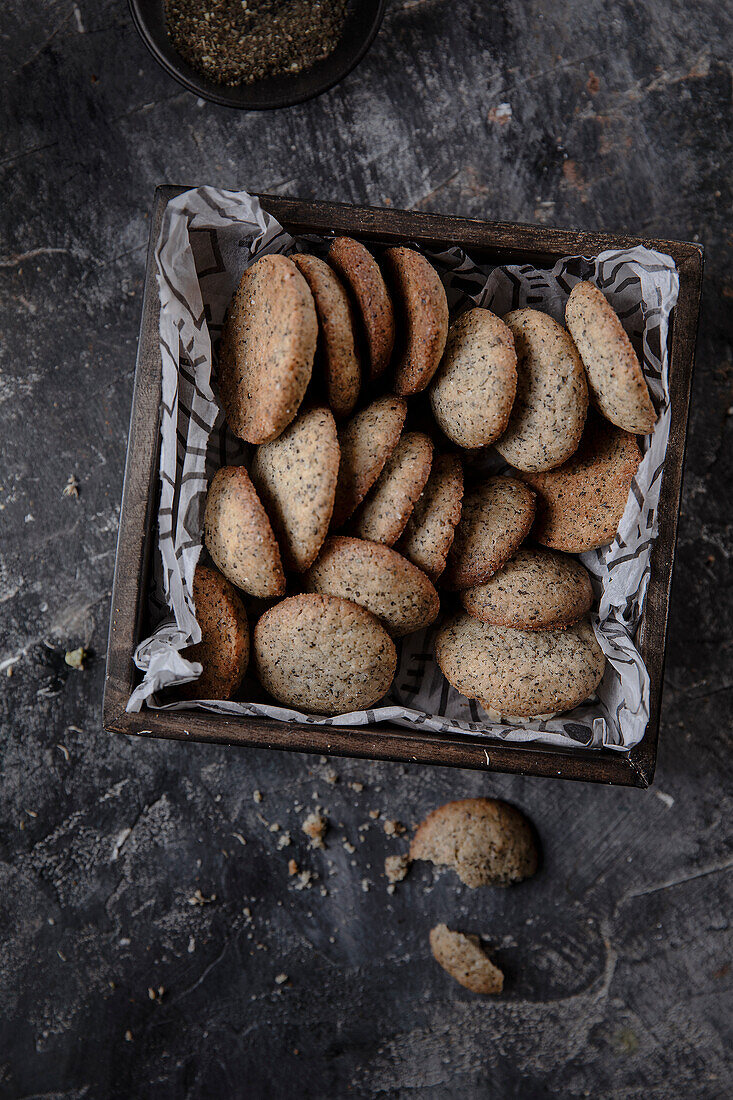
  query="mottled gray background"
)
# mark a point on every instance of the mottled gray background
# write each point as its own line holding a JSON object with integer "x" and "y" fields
{"x": 618, "y": 953}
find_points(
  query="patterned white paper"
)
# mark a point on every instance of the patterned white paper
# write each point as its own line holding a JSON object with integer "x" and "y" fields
{"x": 208, "y": 238}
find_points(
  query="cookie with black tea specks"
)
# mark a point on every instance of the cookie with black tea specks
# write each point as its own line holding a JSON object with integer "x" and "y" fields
{"x": 295, "y": 476}
{"x": 536, "y": 590}
{"x": 495, "y": 520}
{"x": 388, "y": 506}
{"x": 323, "y": 654}
{"x": 580, "y": 504}
{"x": 487, "y": 842}
{"x": 366, "y": 442}
{"x": 378, "y": 578}
{"x": 520, "y": 673}
{"x": 463, "y": 958}
{"x": 358, "y": 269}
{"x": 551, "y": 402}
{"x": 239, "y": 537}
{"x": 422, "y": 309}
{"x": 430, "y": 530}
{"x": 267, "y": 349}
{"x": 337, "y": 354}
{"x": 617, "y": 384}
{"x": 473, "y": 390}
{"x": 224, "y": 647}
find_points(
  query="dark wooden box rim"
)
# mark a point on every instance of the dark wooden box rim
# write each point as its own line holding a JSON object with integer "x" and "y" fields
{"x": 499, "y": 243}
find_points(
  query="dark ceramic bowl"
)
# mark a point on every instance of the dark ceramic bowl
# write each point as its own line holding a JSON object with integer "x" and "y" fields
{"x": 363, "y": 20}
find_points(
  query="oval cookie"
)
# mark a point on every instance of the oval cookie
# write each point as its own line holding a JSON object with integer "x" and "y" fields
{"x": 386, "y": 510}
{"x": 535, "y": 590}
{"x": 366, "y": 443}
{"x": 580, "y": 504}
{"x": 360, "y": 272}
{"x": 463, "y": 958}
{"x": 295, "y": 476}
{"x": 238, "y": 535}
{"x": 323, "y": 654}
{"x": 430, "y": 530}
{"x": 551, "y": 403}
{"x": 337, "y": 344}
{"x": 224, "y": 647}
{"x": 375, "y": 577}
{"x": 487, "y": 842}
{"x": 520, "y": 673}
{"x": 617, "y": 385}
{"x": 495, "y": 520}
{"x": 267, "y": 348}
{"x": 422, "y": 310}
{"x": 473, "y": 391}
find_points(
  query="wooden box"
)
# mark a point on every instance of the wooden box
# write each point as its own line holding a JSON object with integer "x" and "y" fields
{"x": 498, "y": 243}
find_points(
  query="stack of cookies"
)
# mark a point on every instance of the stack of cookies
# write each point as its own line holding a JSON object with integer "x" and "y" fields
{"x": 360, "y": 402}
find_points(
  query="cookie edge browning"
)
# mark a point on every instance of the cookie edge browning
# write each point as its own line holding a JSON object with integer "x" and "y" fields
{"x": 239, "y": 635}
{"x": 261, "y": 429}
{"x": 259, "y": 515}
{"x": 420, "y": 300}
{"x": 338, "y": 333}
{"x": 586, "y": 295}
{"x": 347, "y": 256}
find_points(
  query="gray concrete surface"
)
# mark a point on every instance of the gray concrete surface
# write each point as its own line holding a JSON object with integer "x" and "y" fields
{"x": 618, "y": 953}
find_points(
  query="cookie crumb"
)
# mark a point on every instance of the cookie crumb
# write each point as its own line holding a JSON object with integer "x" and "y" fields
{"x": 199, "y": 899}
{"x": 374, "y": 814}
{"x": 393, "y": 828}
{"x": 349, "y": 846}
{"x": 356, "y": 786}
{"x": 128, "y": 1036}
{"x": 274, "y": 828}
{"x": 71, "y": 488}
{"x": 305, "y": 878}
{"x": 281, "y": 978}
{"x": 292, "y": 867}
{"x": 314, "y": 827}
{"x": 365, "y": 885}
{"x": 331, "y": 776}
{"x": 396, "y": 868}
{"x": 283, "y": 841}
{"x": 257, "y": 796}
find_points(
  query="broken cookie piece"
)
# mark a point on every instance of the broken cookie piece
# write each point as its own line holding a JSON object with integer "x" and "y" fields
{"x": 487, "y": 842}
{"x": 464, "y": 959}
{"x": 396, "y": 868}
{"x": 314, "y": 827}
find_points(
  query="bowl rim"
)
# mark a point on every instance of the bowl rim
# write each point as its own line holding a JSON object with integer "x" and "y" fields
{"x": 205, "y": 90}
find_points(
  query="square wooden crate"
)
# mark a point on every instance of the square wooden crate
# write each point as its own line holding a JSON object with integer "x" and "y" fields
{"x": 499, "y": 243}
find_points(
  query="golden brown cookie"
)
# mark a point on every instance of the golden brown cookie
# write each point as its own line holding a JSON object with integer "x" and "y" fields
{"x": 520, "y": 673}
{"x": 366, "y": 443}
{"x": 495, "y": 520}
{"x": 375, "y": 577}
{"x": 337, "y": 343}
{"x": 551, "y": 403}
{"x": 238, "y": 534}
{"x": 473, "y": 390}
{"x": 295, "y": 476}
{"x": 422, "y": 312}
{"x": 580, "y": 504}
{"x": 358, "y": 269}
{"x": 388, "y": 506}
{"x": 430, "y": 530}
{"x": 617, "y": 384}
{"x": 535, "y": 590}
{"x": 224, "y": 647}
{"x": 267, "y": 348}
{"x": 323, "y": 654}
{"x": 463, "y": 958}
{"x": 487, "y": 842}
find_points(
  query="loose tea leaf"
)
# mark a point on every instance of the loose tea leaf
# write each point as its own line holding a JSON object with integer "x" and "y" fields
{"x": 241, "y": 41}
